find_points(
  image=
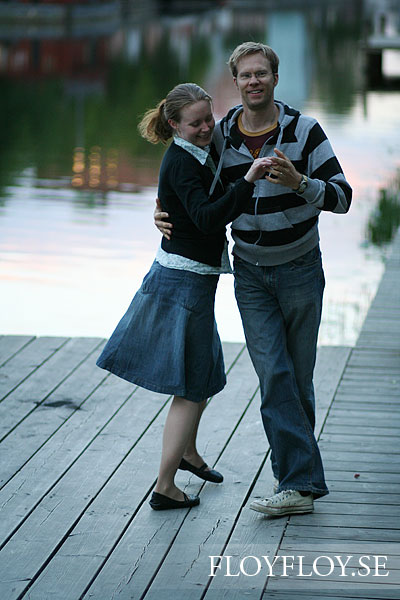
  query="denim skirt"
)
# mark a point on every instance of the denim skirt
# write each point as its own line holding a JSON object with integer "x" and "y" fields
{"x": 167, "y": 341}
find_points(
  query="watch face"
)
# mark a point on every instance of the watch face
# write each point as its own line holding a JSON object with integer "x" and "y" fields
{"x": 303, "y": 184}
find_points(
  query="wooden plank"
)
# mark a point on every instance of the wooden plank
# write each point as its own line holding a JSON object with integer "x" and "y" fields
{"x": 333, "y": 507}
{"x": 372, "y": 370}
{"x": 356, "y": 394}
{"x": 388, "y": 383}
{"x": 330, "y": 364}
{"x": 356, "y": 456}
{"x": 361, "y": 429}
{"x": 338, "y": 546}
{"x": 357, "y": 443}
{"x": 11, "y": 344}
{"x": 382, "y": 328}
{"x": 316, "y": 595}
{"x": 366, "y": 476}
{"x": 26, "y": 398}
{"x": 387, "y": 323}
{"x": 387, "y": 402}
{"x": 343, "y": 533}
{"x": 362, "y": 590}
{"x": 362, "y": 466}
{"x": 369, "y": 390}
{"x": 368, "y": 404}
{"x": 376, "y": 356}
{"x": 381, "y": 341}
{"x": 367, "y": 358}
{"x": 333, "y": 520}
{"x": 370, "y": 498}
{"x": 232, "y": 352}
{"x": 27, "y": 361}
{"x": 354, "y": 416}
{"x": 360, "y": 486}
{"x": 383, "y": 421}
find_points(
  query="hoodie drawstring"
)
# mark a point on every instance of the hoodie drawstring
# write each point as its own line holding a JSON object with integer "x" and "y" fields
{"x": 219, "y": 168}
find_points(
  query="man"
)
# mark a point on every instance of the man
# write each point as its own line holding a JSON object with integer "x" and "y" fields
{"x": 279, "y": 279}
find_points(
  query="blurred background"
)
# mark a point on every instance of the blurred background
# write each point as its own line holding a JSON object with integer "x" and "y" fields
{"x": 78, "y": 184}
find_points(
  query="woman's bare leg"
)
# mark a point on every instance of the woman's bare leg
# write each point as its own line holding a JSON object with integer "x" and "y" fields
{"x": 191, "y": 454}
{"x": 182, "y": 421}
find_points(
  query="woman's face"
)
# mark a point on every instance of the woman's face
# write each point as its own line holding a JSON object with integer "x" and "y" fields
{"x": 196, "y": 124}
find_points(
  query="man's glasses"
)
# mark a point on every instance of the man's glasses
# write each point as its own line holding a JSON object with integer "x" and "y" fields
{"x": 257, "y": 75}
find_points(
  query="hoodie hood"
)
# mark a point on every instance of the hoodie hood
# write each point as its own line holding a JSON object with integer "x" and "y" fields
{"x": 288, "y": 116}
{"x": 226, "y": 133}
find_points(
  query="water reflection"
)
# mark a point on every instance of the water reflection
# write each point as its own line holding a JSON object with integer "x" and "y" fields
{"x": 385, "y": 219}
{"x": 83, "y": 97}
{"x": 72, "y": 92}
{"x": 88, "y": 92}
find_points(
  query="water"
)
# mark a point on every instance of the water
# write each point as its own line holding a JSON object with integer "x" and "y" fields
{"x": 77, "y": 184}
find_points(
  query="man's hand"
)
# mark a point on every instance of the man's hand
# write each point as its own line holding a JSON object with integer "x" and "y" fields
{"x": 284, "y": 171}
{"x": 159, "y": 215}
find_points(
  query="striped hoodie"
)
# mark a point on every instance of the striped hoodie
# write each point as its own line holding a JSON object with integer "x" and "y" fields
{"x": 277, "y": 224}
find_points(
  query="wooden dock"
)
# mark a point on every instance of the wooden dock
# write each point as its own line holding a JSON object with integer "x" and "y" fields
{"x": 79, "y": 457}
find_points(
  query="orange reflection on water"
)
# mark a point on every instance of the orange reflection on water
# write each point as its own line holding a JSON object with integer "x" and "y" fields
{"x": 78, "y": 167}
{"x": 95, "y": 168}
{"x": 112, "y": 168}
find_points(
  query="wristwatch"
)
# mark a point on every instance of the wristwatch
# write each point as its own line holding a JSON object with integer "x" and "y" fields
{"x": 303, "y": 185}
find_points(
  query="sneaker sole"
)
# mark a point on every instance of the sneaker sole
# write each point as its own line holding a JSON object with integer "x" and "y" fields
{"x": 280, "y": 512}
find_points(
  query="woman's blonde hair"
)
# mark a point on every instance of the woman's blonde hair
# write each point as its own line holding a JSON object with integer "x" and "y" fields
{"x": 154, "y": 125}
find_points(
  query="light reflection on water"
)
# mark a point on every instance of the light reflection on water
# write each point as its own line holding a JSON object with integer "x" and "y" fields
{"x": 70, "y": 270}
{"x": 72, "y": 259}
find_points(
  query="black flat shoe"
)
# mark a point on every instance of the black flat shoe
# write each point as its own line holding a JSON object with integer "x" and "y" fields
{"x": 161, "y": 502}
{"x": 202, "y": 472}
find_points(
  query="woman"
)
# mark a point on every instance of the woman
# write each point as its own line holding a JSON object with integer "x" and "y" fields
{"x": 168, "y": 341}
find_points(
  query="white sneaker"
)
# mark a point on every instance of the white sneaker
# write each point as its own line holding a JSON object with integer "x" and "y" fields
{"x": 275, "y": 487}
{"x": 287, "y": 502}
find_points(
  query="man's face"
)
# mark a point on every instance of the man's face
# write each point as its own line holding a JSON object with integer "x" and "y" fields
{"x": 255, "y": 81}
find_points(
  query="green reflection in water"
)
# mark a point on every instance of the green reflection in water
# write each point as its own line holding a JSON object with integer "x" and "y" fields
{"x": 385, "y": 220}
{"x": 338, "y": 67}
{"x": 36, "y": 129}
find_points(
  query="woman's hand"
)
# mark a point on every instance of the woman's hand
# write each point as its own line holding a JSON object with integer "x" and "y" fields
{"x": 258, "y": 169}
{"x": 159, "y": 215}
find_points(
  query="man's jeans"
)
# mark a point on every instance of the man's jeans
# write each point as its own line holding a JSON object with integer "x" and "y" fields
{"x": 281, "y": 308}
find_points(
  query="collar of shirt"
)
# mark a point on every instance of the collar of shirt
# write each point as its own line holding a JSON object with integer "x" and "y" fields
{"x": 201, "y": 154}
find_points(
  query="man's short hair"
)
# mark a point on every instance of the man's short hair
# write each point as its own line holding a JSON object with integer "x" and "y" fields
{"x": 252, "y": 48}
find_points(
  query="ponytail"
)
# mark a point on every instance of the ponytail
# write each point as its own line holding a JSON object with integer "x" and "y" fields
{"x": 154, "y": 126}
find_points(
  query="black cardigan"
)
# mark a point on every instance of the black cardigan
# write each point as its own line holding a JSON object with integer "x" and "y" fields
{"x": 198, "y": 221}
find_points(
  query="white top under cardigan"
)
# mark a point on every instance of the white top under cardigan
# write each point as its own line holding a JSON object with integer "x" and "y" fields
{"x": 175, "y": 261}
